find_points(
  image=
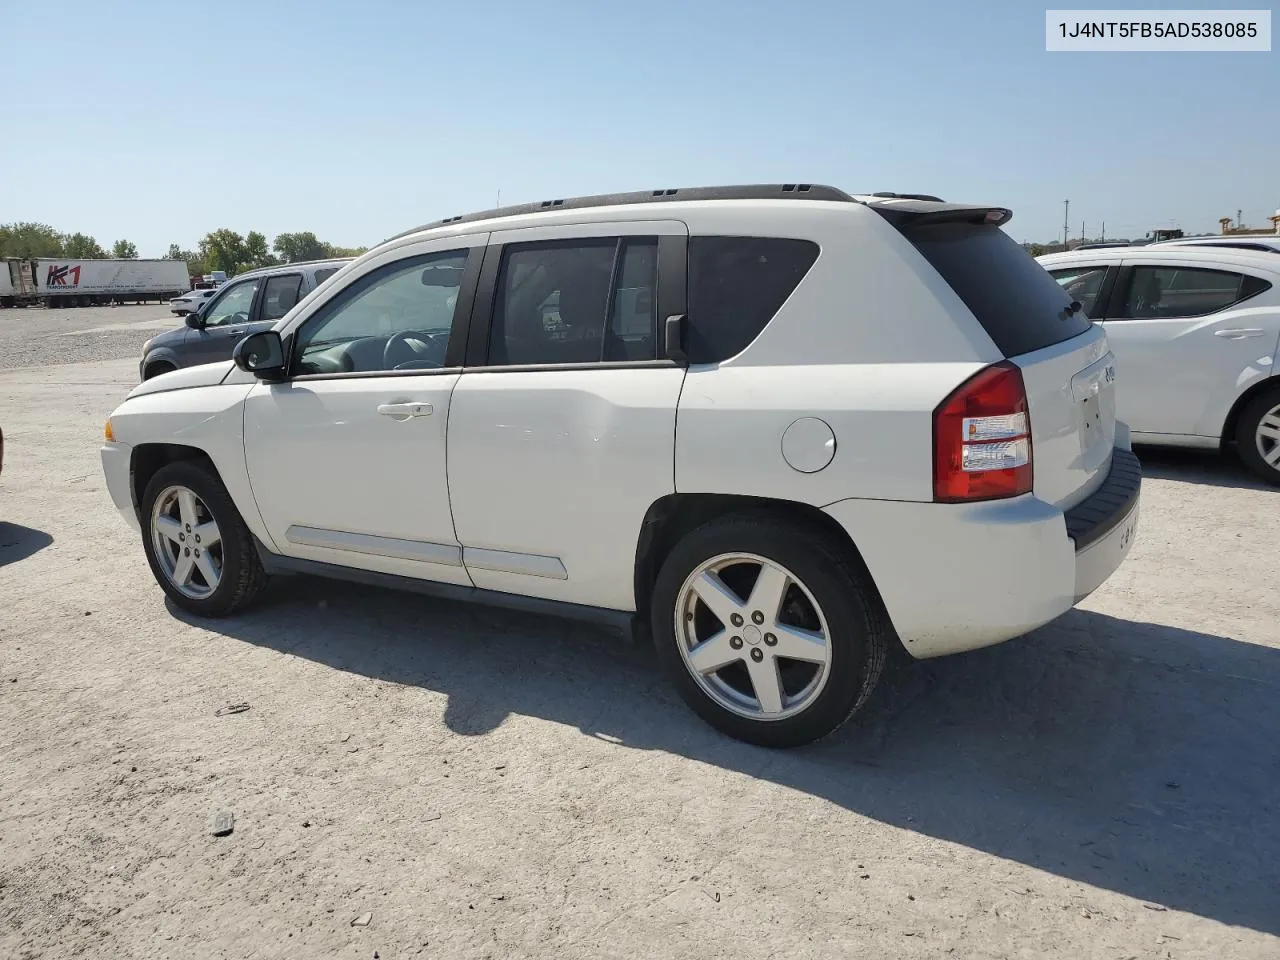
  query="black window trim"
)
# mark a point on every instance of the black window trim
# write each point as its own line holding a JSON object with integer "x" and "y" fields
{"x": 1120, "y": 290}
{"x": 260, "y": 301}
{"x": 671, "y": 300}
{"x": 457, "y": 332}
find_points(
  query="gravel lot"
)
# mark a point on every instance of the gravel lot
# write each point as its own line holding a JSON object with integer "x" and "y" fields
{"x": 488, "y": 784}
{"x": 34, "y": 335}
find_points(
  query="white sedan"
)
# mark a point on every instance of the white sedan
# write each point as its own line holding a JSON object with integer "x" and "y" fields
{"x": 1196, "y": 335}
{"x": 190, "y": 302}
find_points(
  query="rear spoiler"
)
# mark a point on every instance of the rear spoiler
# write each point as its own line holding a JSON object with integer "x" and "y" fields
{"x": 918, "y": 211}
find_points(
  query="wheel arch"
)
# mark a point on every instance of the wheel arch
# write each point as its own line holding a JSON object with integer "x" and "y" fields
{"x": 147, "y": 458}
{"x": 158, "y": 357}
{"x": 671, "y": 517}
{"x": 1228, "y": 434}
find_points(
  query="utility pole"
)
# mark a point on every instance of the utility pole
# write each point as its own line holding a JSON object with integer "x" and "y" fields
{"x": 1239, "y": 219}
{"x": 1103, "y": 239}
{"x": 1066, "y": 206}
{"x": 1082, "y": 231}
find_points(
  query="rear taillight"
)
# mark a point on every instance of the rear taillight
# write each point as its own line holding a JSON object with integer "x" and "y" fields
{"x": 982, "y": 438}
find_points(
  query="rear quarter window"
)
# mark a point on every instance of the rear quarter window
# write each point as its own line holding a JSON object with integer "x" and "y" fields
{"x": 1018, "y": 303}
{"x": 736, "y": 285}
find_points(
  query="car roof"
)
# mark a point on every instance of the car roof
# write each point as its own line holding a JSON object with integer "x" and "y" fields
{"x": 1209, "y": 256}
{"x": 612, "y": 203}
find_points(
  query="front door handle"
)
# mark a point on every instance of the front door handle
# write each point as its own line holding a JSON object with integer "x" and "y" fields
{"x": 1244, "y": 334}
{"x": 403, "y": 411}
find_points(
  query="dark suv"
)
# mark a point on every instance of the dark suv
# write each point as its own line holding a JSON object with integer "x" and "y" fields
{"x": 247, "y": 303}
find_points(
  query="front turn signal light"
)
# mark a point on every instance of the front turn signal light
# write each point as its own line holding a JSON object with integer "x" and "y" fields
{"x": 108, "y": 432}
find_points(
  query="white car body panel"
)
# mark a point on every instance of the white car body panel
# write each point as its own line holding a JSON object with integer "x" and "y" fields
{"x": 201, "y": 375}
{"x": 204, "y": 417}
{"x": 560, "y": 466}
{"x": 1180, "y": 377}
{"x": 337, "y": 482}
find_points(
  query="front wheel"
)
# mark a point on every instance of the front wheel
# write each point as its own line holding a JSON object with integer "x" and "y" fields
{"x": 199, "y": 549}
{"x": 1258, "y": 435}
{"x": 770, "y": 632}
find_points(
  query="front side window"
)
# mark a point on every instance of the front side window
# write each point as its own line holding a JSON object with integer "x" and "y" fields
{"x": 234, "y": 306}
{"x": 397, "y": 318}
{"x": 1167, "y": 292}
{"x": 579, "y": 301}
{"x": 1082, "y": 284}
{"x": 280, "y": 295}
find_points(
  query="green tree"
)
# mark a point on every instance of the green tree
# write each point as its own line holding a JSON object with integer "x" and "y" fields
{"x": 80, "y": 246}
{"x": 296, "y": 247}
{"x": 256, "y": 252}
{"x": 29, "y": 240}
{"x": 348, "y": 251}
{"x": 195, "y": 263}
{"x": 124, "y": 250}
{"x": 223, "y": 249}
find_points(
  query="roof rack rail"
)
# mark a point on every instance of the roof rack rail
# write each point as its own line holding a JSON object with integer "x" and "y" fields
{"x": 755, "y": 191}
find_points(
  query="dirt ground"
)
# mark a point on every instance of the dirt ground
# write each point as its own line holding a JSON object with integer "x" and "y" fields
{"x": 478, "y": 783}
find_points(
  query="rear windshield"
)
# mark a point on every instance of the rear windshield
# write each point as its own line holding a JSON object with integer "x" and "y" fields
{"x": 1020, "y": 306}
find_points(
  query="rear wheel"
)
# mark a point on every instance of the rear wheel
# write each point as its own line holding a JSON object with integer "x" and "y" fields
{"x": 1258, "y": 435}
{"x": 199, "y": 549}
{"x": 770, "y": 632}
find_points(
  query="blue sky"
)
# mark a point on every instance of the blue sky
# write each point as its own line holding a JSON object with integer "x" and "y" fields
{"x": 161, "y": 121}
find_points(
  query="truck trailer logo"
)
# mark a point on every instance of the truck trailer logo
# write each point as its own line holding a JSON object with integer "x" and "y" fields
{"x": 58, "y": 276}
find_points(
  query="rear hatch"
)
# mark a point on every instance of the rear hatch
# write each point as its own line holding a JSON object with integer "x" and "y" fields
{"x": 1067, "y": 366}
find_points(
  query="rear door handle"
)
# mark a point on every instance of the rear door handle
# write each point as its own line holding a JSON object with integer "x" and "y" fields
{"x": 1238, "y": 334}
{"x": 404, "y": 411}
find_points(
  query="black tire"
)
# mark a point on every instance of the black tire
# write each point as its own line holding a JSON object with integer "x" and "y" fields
{"x": 1247, "y": 434}
{"x": 242, "y": 575}
{"x": 860, "y": 632}
{"x": 157, "y": 368}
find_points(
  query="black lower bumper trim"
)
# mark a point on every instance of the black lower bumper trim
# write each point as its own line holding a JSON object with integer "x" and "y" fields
{"x": 1097, "y": 516}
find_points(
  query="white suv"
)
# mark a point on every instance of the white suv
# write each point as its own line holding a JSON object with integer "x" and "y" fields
{"x": 780, "y": 428}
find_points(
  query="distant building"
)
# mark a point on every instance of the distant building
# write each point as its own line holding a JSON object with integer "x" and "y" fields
{"x": 1242, "y": 231}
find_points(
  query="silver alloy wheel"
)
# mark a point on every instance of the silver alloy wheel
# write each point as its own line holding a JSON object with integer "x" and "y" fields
{"x": 753, "y": 636}
{"x": 187, "y": 542}
{"x": 1267, "y": 437}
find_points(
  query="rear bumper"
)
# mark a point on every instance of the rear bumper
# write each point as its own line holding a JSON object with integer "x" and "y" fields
{"x": 956, "y": 577}
{"x": 1102, "y": 527}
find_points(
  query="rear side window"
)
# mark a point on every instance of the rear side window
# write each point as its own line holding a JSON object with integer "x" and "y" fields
{"x": 1083, "y": 284}
{"x": 1020, "y": 306}
{"x": 1157, "y": 292}
{"x": 324, "y": 274}
{"x": 736, "y": 285}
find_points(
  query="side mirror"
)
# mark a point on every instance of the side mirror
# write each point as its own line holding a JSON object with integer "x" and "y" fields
{"x": 261, "y": 354}
{"x": 194, "y": 321}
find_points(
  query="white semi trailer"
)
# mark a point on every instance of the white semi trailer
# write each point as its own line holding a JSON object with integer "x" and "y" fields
{"x": 64, "y": 282}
